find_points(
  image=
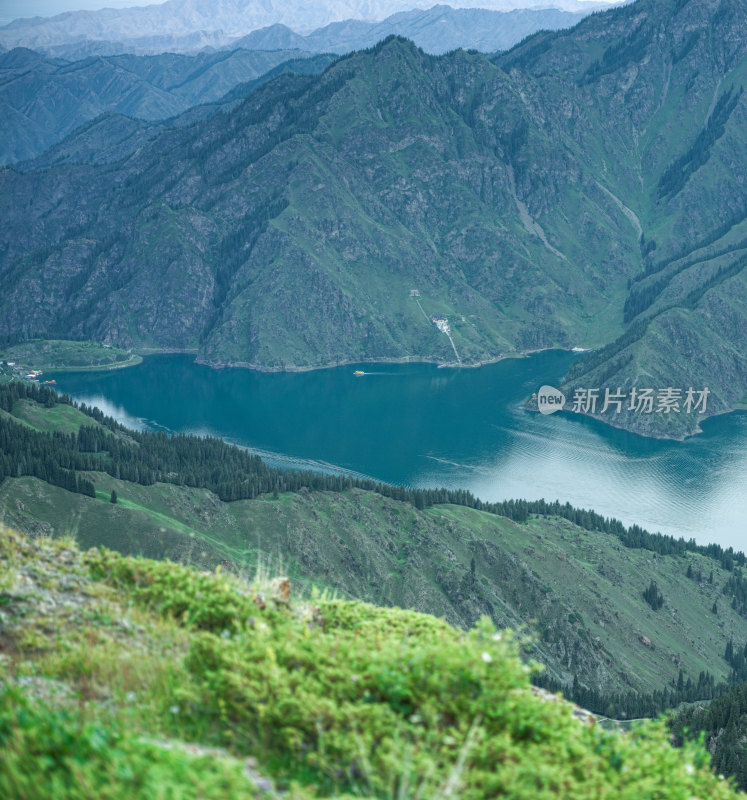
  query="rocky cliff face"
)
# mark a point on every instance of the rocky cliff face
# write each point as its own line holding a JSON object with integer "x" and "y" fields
{"x": 588, "y": 185}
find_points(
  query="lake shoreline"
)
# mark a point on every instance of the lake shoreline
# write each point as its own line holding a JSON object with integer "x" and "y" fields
{"x": 131, "y": 362}
{"x": 651, "y": 437}
{"x": 357, "y": 362}
{"x": 142, "y": 353}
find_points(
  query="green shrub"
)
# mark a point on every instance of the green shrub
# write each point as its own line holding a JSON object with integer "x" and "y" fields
{"x": 59, "y": 755}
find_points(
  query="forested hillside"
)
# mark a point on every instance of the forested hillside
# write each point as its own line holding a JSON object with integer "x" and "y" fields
{"x": 724, "y": 722}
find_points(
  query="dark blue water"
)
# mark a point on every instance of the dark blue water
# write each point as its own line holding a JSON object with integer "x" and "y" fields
{"x": 422, "y": 426}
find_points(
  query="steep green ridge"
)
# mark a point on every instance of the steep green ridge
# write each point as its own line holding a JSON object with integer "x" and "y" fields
{"x": 355, "y": 283}
{"x": 579, "y": 589}
{"x": 526, "y": 198}
{"x": 121, "y": 676}
{"x": 661, "y": 85}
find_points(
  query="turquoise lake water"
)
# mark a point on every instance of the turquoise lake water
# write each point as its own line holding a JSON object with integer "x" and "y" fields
{"x": 419, "y": 425}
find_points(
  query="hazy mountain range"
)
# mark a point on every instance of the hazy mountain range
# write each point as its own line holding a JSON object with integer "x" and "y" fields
{"x": 227, "y": 18}
{"x": 437, "y": 30}
{"x": 586, "y": 188}
{"x": 43, "y": 98}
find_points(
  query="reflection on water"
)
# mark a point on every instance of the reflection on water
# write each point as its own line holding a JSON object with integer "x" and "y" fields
{"x": 421, "y": 426}
{"x": 116, "y": 411}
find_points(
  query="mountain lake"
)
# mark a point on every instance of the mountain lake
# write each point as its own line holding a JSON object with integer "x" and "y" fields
{"x": 421, "y": 426}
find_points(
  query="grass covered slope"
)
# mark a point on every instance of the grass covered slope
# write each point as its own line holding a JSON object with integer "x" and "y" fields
{"x": 124, "y": 674}
{"x": 580, "y": 592}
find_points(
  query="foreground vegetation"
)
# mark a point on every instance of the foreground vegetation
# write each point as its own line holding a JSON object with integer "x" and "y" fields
{"x": 125, "y": 676}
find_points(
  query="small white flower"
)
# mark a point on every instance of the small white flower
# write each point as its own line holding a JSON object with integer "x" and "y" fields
{"x": 487, "y": 658}
{"x": 226, "y": 634}
{"x": 130, "y": 697}
{"x": 174, "y": 709}
{"x": 354, "y": 678}
{"x": 497, "y": 637}
{"x": 689, "y": 769}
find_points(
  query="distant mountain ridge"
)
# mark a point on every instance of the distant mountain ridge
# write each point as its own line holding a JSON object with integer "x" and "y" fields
{"x": 111, "y": 137}
{"x": 201, "y": 23}
{"x": 42, "y": 99}
{"x": 436, "y": 30}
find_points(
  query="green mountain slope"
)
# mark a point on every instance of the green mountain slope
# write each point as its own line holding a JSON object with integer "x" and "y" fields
{"x": 355, "y": 277}
{"x": 583, "y": 187}
{"x": 656, "y": 101}
{"x": 581, "y": 591}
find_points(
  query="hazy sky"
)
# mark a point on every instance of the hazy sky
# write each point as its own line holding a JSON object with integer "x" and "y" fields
{"x": 12, "y": 9}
